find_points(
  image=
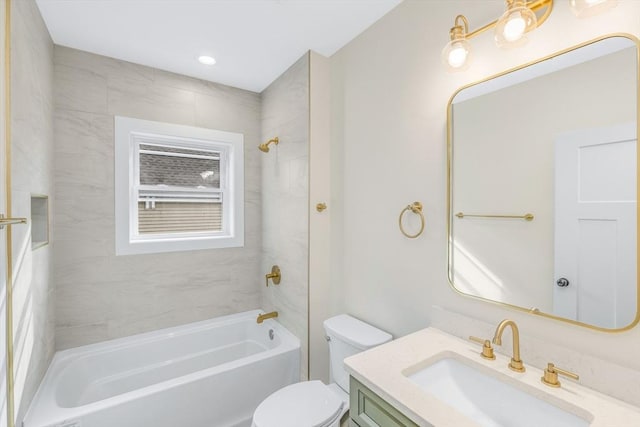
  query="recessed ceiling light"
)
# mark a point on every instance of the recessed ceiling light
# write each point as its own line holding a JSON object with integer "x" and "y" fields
{"x": 207, "y": 60}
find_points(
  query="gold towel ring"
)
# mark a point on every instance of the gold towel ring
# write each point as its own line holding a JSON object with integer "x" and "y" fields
{"x": 416, "y": 208}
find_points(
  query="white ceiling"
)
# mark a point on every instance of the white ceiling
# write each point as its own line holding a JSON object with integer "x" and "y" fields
{"x": 253, "y": 41}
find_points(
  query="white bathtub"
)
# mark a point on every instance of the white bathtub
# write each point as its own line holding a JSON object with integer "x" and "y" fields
{"x": 206, "y": 374}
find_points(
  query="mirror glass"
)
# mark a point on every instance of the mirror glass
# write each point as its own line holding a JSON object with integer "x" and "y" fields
{"x": 543, "y": 186}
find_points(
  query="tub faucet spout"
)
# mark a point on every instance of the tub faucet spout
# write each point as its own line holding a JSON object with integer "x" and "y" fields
{"x": 262, "y": 317}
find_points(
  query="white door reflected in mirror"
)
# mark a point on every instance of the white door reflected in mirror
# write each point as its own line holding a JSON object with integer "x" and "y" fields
{"x": 595, "y": 225}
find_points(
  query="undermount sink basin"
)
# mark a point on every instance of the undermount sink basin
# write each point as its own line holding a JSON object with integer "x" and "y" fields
{"x": 487, "y": 400}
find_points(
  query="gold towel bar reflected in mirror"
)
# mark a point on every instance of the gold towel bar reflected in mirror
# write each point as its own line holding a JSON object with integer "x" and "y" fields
{"x": 416, "y": 208}
{"x": 526, "y": 217}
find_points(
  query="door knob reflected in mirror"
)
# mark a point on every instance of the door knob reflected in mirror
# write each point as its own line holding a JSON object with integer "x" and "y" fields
{"x": 562, "y": 282}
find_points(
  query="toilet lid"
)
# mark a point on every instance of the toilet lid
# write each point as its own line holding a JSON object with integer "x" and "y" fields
{"x": 308, "y": 403}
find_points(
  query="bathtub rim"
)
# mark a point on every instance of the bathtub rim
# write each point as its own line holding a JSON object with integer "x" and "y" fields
{"x": 63, "y": 358}
{"x": 155, "y": 335}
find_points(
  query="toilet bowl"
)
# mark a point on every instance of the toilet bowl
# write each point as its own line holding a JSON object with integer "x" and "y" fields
{"x": 313, "y": 403}
{"x": 307, "y": 403}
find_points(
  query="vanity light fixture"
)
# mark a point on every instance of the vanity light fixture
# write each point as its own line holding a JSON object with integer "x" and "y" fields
{"x": 207, "y": 60}
{"x": 587, "y": 8}
{"x": 514, "y": 23}
{"x": 455, "y": 54}
{"x": 521, "y": 17}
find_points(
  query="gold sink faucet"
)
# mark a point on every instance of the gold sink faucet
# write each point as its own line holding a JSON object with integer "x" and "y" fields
{"x": 262, "y": 317}
{"x": 516, "y": 363}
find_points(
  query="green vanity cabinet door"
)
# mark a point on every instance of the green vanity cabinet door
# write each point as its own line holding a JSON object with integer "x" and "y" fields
{"x": 367, "y": 409}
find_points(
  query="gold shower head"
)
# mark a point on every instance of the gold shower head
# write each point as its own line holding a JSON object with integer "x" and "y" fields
{"x": 264, "y": 147}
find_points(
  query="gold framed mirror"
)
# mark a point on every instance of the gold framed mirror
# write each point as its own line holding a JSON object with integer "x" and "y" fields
{"x": 543, "y": 186}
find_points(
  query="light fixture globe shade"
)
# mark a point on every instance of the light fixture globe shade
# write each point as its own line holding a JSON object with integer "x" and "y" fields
{"x": 588, "y": 8}
{"x": 514, "y": 24}
{"x": 456, "y": 55}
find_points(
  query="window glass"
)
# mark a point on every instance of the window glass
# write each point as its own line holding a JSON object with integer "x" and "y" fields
{"x": 179, "y": 190}
{"x": 177, "y": 187}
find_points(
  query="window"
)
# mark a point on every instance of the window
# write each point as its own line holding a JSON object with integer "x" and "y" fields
{"x": 177, "y": 187}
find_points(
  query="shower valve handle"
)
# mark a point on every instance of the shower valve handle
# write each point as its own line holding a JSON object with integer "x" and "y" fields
{"x": 275, "y": 276}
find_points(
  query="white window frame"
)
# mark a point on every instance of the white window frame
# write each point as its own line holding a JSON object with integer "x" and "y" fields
{"x": 129, "y": 134}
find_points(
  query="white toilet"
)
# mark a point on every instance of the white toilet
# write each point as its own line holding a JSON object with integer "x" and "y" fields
{"x": 312, "y": 403}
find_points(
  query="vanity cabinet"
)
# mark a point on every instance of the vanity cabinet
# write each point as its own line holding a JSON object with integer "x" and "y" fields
{"x": 367, "y": 409}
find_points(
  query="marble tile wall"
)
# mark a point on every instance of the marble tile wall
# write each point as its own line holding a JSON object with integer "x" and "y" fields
{"x": 101, "y": 296}
{"x": 31, "y": 172}
{"x": 285, "y": 199}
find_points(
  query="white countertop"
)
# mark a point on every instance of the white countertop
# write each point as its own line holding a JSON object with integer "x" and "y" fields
{"x": 381, "y": 369}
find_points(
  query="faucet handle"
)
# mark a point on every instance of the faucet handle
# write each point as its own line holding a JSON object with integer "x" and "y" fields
{"x": 275, "y": 276}
{"x": 487, "y": 350}
{"x": 550, "y": 377}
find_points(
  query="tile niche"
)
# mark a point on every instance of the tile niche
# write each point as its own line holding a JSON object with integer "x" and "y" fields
{"x": 39, "y": 221}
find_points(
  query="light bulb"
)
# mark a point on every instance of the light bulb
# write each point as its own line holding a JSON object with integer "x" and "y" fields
{"x": 514, "y": 24}
{"x": 455, "y": 55}
{"x": 514, "y": 28}
{"x": 588, "y": 8}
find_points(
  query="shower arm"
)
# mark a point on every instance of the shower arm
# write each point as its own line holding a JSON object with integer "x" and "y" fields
{"x": 264, "y": 147}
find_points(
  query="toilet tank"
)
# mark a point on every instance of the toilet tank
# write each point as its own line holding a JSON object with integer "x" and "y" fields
{"x": 348, "y": 336}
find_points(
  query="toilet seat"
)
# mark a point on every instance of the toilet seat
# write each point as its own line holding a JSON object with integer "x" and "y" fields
{"x": 308, "y": 403}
